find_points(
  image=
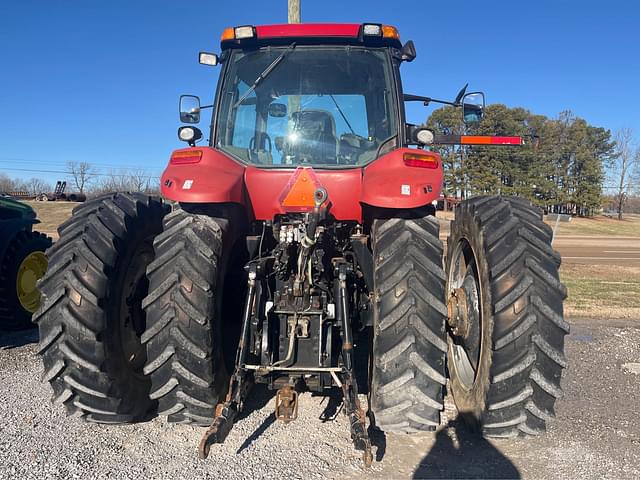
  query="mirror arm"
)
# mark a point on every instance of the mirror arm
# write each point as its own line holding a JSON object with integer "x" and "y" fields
{"x": 444, "y": 102}
{"x": 407, "y": 97}
{"x": 206, "y": 106}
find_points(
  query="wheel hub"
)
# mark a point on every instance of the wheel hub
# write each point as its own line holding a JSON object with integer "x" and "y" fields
{"x": 32, "y": 269}
{"x": 458, "y": 313}
{"x": 464, "y": 314}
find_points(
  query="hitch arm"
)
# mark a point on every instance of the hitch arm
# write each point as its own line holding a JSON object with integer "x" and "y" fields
{"x": 239, "y": 384}
{"x": 352, "y": 406}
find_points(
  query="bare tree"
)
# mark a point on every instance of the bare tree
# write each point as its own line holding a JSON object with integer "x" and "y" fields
{"x": 6, "y": 184}
{"x": 133, "y": 180}
{"x": 38, "y": 185}
{"x": 12, "y": 185}
{"x": 626, "y": 167}
{"x": 81, "y": 173}
{"x": 139, "y": 180}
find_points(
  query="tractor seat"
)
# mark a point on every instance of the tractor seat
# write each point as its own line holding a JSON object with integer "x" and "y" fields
{"x": 316, "y": 136}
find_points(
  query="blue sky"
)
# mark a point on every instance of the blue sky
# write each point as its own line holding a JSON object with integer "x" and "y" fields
{"x": 99, "y": 80}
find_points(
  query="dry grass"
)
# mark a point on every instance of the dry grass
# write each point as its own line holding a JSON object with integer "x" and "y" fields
{"x": 445, "y": 215}
{"x": 603, "y": 291}
{"x": 51, "y": 215}
{"x": 599, "y": 225}
{"x": 629, "y": 226}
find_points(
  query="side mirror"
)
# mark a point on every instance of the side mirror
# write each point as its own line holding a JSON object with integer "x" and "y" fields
{"x": 408, "y": 52}
{"x": 277, "y": 110}
{"x": 210, "y": 59}
{"x": 473, "y": 107}
{"x": 189, "y": 109}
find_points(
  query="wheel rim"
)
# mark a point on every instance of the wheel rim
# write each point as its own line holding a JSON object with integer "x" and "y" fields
{"x": 31, "y": 269}
{"x": 465, "y": 315}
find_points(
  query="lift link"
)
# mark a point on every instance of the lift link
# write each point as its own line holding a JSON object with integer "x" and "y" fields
{"x": 240, "y": 383}
{"x": 352, "y": 406}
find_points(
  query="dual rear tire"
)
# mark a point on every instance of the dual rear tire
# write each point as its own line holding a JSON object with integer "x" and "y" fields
{"x": 91, "y": 319}
{"x": 409, "y": 340}
{"x": 506, "y": 361}
{"x": 184, "y": 311}
{"x": 132, "y": 317}
{"x": 504, "y": 356}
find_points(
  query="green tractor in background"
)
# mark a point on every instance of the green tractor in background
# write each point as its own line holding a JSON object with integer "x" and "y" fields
{"x": 22, "y": 264}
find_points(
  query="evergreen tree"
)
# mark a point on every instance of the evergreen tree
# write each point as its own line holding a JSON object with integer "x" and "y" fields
{"x": 562, "y": 171}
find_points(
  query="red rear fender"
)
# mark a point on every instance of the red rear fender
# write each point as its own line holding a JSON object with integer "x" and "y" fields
{"x": 205, "y": 175}
{"x": 390, "y": 183}
{"x": 215, "y": 178}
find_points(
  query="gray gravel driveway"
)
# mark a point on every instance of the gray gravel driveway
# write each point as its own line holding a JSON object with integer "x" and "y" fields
{"x": 596, "y": 434}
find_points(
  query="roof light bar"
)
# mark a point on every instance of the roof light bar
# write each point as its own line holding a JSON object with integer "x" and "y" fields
{"x": 369, "y": 30}
{"x": 372, "y": 30}
{"x": 245, "y": 31}
{"x": 227, "y": 34}
{"x": 390, "y": 32}
{"x": 377, "y": 30}
{"x": 238, "y": 33}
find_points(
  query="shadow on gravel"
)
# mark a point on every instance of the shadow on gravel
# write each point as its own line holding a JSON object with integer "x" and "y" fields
{"x": 266, "y": 423}
{"x": 379, "y": 441}
{"x": 20, "y": 338}
{"x": 461, "y": 453}
{"x": 333, "y": 400}
{"x": 257, "y": 399}
{"x": 334, "y": 406}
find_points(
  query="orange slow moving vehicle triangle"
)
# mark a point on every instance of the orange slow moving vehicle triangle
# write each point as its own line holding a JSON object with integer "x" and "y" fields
{"x": 298, "y": 194}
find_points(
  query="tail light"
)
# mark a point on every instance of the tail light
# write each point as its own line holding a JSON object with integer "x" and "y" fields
{"x": 489, "y": 140}
{"x": 182, "y": 157}
{"x": 420, "y": 160}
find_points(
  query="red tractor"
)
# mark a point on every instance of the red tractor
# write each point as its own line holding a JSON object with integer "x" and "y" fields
{"x": 300, "y": 249}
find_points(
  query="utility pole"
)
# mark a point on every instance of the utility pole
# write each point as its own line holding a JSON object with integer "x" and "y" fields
{"x": 294, "y": 11}
{"x": 293, "y": 16}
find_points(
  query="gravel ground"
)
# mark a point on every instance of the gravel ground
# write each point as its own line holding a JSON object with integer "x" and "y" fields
{"x": 596, "y": 434}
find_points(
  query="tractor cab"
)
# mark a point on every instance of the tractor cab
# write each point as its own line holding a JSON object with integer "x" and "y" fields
{"x": 326, "y": 96}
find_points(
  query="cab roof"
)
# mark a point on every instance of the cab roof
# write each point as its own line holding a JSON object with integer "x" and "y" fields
{"x": 311, "y": 33}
